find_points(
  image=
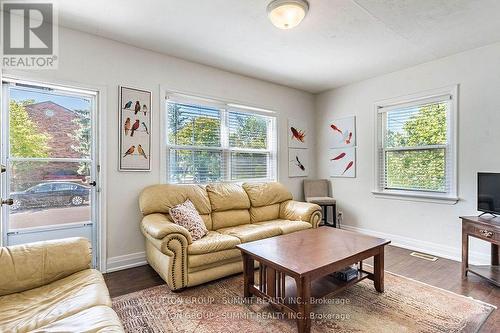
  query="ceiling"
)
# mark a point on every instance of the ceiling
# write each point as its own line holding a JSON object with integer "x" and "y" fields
{"x": 339, "y": 41}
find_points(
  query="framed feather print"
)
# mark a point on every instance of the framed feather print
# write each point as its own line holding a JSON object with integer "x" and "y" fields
{"x": 298, "y": 135}
{"x": 135, "y": 129}
{"x": 298, "y": 162}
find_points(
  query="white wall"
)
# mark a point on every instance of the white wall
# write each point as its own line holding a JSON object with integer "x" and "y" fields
{"x": 93, "y": 61}
{"x": 429, "y": 227}
{"x": 90, "y": 60}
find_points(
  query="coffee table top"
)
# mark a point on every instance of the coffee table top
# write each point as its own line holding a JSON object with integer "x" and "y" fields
{"x": 304, "y": 251}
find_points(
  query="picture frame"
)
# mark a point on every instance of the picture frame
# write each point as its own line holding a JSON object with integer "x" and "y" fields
{"x": 298, "y": 162}
{"x": 135, "y": 107}
{"x": 342, "y": 132}
{"x": 298, "y": 134}
{"x": 342, "y": 162}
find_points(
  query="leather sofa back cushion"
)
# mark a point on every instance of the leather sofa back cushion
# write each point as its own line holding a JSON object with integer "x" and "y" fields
{"x": 36, "y": 264}
{"x": 207, "y": 219}
{"x": 265, "y": 194}
{"x": 160, "y": 198}
{"x": 227, "y": 196}
{"x": 230, "y": 218}
{"x": 264, "y": 213}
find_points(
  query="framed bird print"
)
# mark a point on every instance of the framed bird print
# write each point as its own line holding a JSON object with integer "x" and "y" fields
{"x": 298, "y": 135}
{"x": 135, "y": 129}
{"x": 298, "y": 162}
{"x": 342, "y": 132}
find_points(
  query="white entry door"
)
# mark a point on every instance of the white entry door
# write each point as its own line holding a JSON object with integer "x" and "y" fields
{"x": 49, "y": 155}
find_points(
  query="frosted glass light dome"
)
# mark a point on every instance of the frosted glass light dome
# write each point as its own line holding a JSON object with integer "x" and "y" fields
{"x": 287, "y": 14}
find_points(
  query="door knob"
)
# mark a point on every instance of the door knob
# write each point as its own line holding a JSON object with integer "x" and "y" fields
{"x": 8, "y": 202}
{"x": 2, "y": 168}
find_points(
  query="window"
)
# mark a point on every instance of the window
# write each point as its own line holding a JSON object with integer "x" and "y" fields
{"x": 42, "y": 188}
{"x": 64, "y": 187}
{"x": 211, "y": 141}
{"x": 416, "y": 150}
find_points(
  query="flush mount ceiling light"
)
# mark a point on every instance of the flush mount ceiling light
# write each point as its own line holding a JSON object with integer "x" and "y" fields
{"x": 286, "y": 14}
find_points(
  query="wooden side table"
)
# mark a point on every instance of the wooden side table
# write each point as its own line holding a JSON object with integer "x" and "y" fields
{"x": 487, "y": 229}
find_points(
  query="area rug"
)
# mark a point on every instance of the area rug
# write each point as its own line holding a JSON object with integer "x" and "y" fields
{"x": 405, "y": 306}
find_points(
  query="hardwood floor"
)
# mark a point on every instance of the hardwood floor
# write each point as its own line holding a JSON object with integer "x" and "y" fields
{"x": 442, "y": 273}
{"x": 132, "y": 279}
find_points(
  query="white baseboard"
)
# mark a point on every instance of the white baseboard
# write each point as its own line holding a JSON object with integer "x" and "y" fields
{"x": 126, "y": 261}
{"x": 443, "y": 251}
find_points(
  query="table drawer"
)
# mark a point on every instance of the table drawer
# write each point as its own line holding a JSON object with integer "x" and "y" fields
{"x": 483, "y": 232}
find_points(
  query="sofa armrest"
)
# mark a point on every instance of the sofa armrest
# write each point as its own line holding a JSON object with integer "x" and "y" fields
{"x": 166, "y": 249}
{"x": 158, "y": 226}
{"x": 33, "y": 265}
{"x": 301, "y": 211}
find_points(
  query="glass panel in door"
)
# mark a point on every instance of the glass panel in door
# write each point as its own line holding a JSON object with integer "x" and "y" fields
{"x": 48, "y": 148}
{"x": 49, "y": 194}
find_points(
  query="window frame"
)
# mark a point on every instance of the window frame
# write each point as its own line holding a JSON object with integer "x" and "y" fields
{"x": 225, "y": 107}
{"x": 451, "y": 147}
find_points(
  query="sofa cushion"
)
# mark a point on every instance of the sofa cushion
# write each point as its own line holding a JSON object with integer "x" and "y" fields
{"x": 35, "y": 308}
{"x": 265, "y": 194}
{"x": 160, "y": 198}
{"x": 227, "y": 196}
{"x": 251, "y": 232}
{"x": 287, "y": 226}
{"x": 94, "y": 319}
{"x": 186, "y": 216}
{"x": 264, "y": 213}
{"x": 33, "y": 265}
{"x": 197, "y": 260}
{"x": 213, "y": 242}
{"x": 230, "y": 218}
{"x": 215, "y": 267}
{"x": 321, "y": 200}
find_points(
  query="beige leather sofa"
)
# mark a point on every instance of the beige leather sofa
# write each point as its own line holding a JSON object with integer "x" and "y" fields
{"x": 49, "y": 287}
{"x": 233, "y": 214}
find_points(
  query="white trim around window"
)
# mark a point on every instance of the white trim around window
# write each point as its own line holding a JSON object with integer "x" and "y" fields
{"x": 449, "y": 193}
{"x": 226, "y": 108}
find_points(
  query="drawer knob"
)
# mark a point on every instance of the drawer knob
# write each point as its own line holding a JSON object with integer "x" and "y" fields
{"x": 486, "y": 233}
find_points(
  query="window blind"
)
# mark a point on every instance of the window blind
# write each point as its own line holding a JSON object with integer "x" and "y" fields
{"x": 194, "y": 125}
{"x": 248, "y": 130}
{"x": 188, "y": 166}
{"x": 414, "y": 148}
{"x": 249, "y": 166}
{"x": 215, "y": 142}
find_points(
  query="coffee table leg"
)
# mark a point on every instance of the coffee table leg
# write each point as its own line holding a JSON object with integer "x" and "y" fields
{"x": 304, "y": 304}
{"x": 248, "y": 274}
{"x": 378, "y": 271}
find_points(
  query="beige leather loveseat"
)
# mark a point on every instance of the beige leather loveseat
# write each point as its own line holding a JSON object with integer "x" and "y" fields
{"x": 233, "y": 214}
{"x": 49, "y": 287}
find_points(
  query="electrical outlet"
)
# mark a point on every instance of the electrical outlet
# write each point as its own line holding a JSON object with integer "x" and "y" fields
{"x": 339, "y": 218}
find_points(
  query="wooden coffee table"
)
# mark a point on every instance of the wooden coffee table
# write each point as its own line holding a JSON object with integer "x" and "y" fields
{"x": 308, "y": 257}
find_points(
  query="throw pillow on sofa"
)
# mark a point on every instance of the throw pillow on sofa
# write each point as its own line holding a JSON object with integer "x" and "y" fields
{"x": 188, "y": 217}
